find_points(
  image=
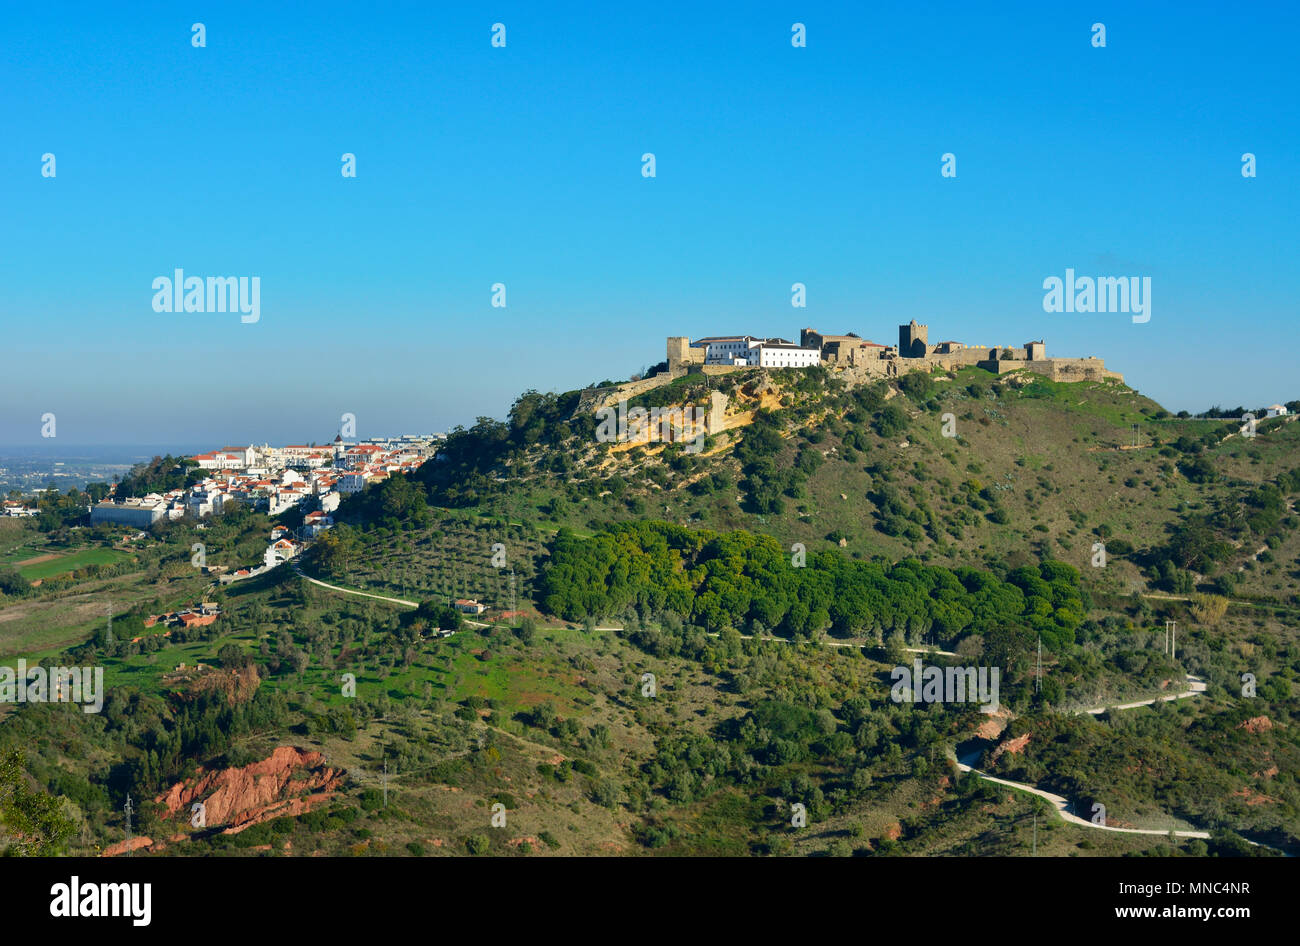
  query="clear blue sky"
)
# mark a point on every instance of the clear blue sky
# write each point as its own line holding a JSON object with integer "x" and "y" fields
{"x": 522, "y": 165}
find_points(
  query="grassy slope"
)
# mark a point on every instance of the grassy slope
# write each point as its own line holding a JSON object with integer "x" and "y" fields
{"x": 1053, "y": 449}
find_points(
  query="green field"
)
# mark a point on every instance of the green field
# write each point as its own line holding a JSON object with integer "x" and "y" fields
{"x": 70, "y": 563}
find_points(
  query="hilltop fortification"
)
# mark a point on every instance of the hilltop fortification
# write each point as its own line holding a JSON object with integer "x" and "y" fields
{"x": 864, "y": 359}
{"x": 855, "y": 359}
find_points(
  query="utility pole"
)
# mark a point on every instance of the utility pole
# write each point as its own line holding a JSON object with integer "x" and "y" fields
{"x": 1173, "y": 644}
{"x": 1035, "y": 831}
{"x": 1038, "y": 674}
{"x": 128, "y": 809}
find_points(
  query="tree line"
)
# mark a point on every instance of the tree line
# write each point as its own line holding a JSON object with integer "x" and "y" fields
{"x": 738, "y": 579}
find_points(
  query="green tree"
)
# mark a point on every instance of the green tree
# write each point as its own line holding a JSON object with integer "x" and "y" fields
{"x": 607, "y": 793}
{"x": 335, "y": 549}
{"x": 891, "y": 420}
{"x": 33, "y": 822}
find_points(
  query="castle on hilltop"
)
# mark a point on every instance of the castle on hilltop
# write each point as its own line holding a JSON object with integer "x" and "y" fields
{"x": 859, "y": 357}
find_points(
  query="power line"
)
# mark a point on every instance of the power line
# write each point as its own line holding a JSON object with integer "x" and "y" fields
{"x": 1038, "y": 674}
{"x": 128, "y": 809}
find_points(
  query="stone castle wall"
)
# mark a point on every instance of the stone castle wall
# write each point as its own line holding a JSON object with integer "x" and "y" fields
{"x": 864, "y": 365}
{"x": 681, "y": 354}
{"x": 859, "y": 363}
{"x": 1066, "y": 369}
{"x": 594, "y": 399}
{"x": 715, "y": 370}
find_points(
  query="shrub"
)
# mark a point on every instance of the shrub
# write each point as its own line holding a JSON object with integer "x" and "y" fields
{"x": 1209, "y": 609}
{"x": 607, "y": 794}
{"x": 891, "y": 420}
{"x": 916, "y": 385}
{"x": 505, "y": 798}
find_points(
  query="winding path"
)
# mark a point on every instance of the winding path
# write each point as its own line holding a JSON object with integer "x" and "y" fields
{"x": 348, "y": 591}
{"x": 402, "y": 601}
{"x": 786, "y": 640}
{"x": 1196, "y": 686}
{"x": 1062, "y": 807}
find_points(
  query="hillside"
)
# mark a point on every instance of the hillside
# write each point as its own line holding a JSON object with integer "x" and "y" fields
{"x": 1037, "y": 470}
{"x": 701, "y": 640}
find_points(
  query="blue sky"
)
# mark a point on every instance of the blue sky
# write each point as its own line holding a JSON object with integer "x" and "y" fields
{"x": 521, "y": 165}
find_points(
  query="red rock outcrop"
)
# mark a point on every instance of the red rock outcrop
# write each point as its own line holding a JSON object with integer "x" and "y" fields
{"x": 1011, "y": 745}
{"x": 122, "y": 847}
{"x": 1257, "y": 724}
{"x": 1253, "y": 798}
{"x": 290, "y": 781}
{"x": 992, "y": 727}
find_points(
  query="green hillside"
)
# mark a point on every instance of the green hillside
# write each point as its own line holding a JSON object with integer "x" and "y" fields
{"x": 702, "y": 641}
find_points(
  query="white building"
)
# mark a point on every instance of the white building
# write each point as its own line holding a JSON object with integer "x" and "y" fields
{"x": 754, "y": 352}
{"x": 782, "y": 354}
{"x": 352, "y": 482}
{"x": 724, "y": 349}
{"x": 284, "y": 499}
{"x": 140, "y": 513}
{"x": 314, "y": 523}
{"x": 1276, "y": 410}
{"x": 279, "y": 551}
{"x": 227, "y": 458}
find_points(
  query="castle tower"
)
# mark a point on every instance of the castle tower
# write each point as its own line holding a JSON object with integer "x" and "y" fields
{"x": 678, "y": 347}
{"x": 913, "y": 340}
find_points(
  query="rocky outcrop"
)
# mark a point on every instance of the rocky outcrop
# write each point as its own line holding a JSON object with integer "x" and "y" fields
{"x": 997, "y": 721}
{"x": 238, "y": 685}
{"x": 1253, "y": 798}
{"x": 123, "y": 847}
{"x": 291, "y": 781}
{"x": 1011, "y": 745}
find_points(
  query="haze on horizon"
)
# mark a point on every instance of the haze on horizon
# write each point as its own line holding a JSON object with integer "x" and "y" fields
{"x": 522, "y": 165}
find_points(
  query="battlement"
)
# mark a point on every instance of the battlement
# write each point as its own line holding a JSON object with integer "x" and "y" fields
{"x": 873, "y": 359}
